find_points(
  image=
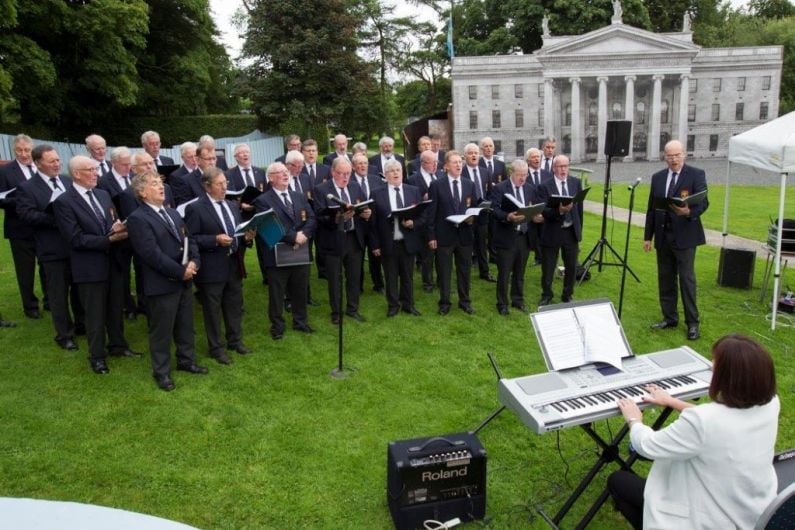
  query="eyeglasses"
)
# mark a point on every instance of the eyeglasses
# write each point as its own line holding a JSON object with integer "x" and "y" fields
{"x": 91, "y": 169}
{"x": 674, "y": 155}
{"x": 209, "y": 158}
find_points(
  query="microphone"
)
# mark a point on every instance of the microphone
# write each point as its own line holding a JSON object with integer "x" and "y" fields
{"x": 334, "y": 198}
{"x": 635, "y": 185}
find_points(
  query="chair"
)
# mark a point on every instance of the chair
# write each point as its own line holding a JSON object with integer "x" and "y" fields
{"x": 780, "y": 514}
{"x": 784, "y": 464}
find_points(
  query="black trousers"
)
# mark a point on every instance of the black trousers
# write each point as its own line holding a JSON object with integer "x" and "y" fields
{"x": 375, "y": 266}
{"x": 511, "y": 265}
{"x": 569, "y": 248}
{"x": 444, "y": 273}
{"x": 399, "y": 270}
{"x": 292, "y": 281}
{"x": 351, "y": 261}
{"x": 481, "y": 231}
{"x": 426, "y": 258}
{"x": 23, "y": 252}
{"x": 59, "y": 276}
{"x": 223, "y": 300}
{"x": 677, "y": 266}
{"x": 171, "y": 316}
{"x": 626, "y": 488}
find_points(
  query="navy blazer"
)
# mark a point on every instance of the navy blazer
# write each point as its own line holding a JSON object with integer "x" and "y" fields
{"x": 553, "y": 220}
{"x": 688, "y": 231}
{"x": 329, "y": 239}
{"x": 301, "y": 219}
{"x": 438, "y": 227}
{"x": 236, "y": 182}
{"x": 33, "y": 198}
{"x": 486, "y": 183}
{"x": 165, "y": 161}
{"x": 90, "y": 247}
{"x": 373, "y": 183}
{"x": 385, "y": 225}
{"x": 329, "y": 158}
{"x": 543, "y": 174}
{"x": 181, "y": 170}
{"x": 159, "y": 250}
{"x": 498, "y": 174}
{"x": 375, "y": 163}
{"x": 322, "y": 173}
{"x": 504, "y": 234}
{"x": 109, "y": 183}
{"x": 11, "y": 176}
{"x": 187, "y": 187}
{"x": 128, "y": 202}
{"x": 416, "y": 179}
{"x": 203, "y": 226}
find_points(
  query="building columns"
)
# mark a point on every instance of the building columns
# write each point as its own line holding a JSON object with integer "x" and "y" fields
{"x": 549, "y": 108}
{"x": 629, "y": 109}
{"x": 601, "y": 125}
{"x": 653, "y": 143}
{"x": 684, "y": 97}
{"x": 576, "y": 128}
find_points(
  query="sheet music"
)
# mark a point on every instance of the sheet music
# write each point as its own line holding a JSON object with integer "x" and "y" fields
{"x": 562, "y": 338}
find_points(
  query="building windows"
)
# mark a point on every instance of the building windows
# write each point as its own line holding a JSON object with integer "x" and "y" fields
{"x": 618, "y": 111}
{"x": 740, "y": 84}
{"x": 766, "y": 82}
{"x": 713, "y": 142}
{"x": 518, "y": 91}
{"x": 763, "y": 110}
{"x": 664, "y": 111}
{"x": 497, "y": 146}
{"x": 519, "y": 118}
{"x": 640, "y": 113}
{"x": 567, "y": 115}
{"x": 495, "y": 91}
{"x": 716, "y": 84}
{"x": 593, "y": 115}
{"x": 691, "y": 143}
{"x": 693, "y": 86}
{"x": 473, "y": 92}
{"x": 541, "y": 117}
{"x": 738, "y": 111}
{"x": 540, "y": 90}
{"x": 691, "y": 113}
{"x": 473, "y": 119}
{"x": 496, "y": 120}
{"x": 716, "y": 112}
{"x": 520, "y": 148}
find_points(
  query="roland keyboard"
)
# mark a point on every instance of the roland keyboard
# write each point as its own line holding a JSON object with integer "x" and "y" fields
{"x": 558, "y": 400}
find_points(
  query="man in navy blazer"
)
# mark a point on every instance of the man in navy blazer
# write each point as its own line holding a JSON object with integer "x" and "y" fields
{"x": 188, "y": 187}
{"x": 211, "y": 221}
{"x": 387, "y": 147}
{"x": 292, "y": 142}
{"x": 169, "y": 262}
{"x": 150, "y": 141}
{"x": 513, "y": 237}
{"x": 423, "y": 144}
{"x": 298, "y": 220}
{"x": 451, "y": 195}
{"x": 340, "y": 150}
{"x": 398, "y": 240}
{"x": 317, "y": 172}
{"x": 19, "y": 233}
{"x": 97, "y": 150}
{"x": 676, "y": 231}
{"x": 483, "y": 186}
{"x": 342, "y": 249}
{"x": 561, "y": 232}
{"x": 422, "y": 179}
{"x": 187, "y": 152}
{"x": 34, "y": 199}
{"x": 89, "y": 223}
{"x": 535, "y": 176}
{"x": 369, "y": 183}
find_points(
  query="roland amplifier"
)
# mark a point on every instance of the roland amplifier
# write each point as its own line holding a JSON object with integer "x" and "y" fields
{"x": 736, "y": 268}
{"x": 436, "y": 478}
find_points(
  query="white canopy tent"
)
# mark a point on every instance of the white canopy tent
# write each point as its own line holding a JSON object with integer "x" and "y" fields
{"x": 771, "y": 147}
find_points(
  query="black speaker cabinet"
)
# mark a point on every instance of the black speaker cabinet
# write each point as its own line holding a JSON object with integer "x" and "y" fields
{"x": 617, "y": 137}
{"x": 736, "y": 268}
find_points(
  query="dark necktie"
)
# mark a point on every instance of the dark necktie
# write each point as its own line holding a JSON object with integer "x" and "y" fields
{"x": 247, "y": 178}
{"x": 546, "y": 164}
{"x": 456, "y": 195}
{"x": 347, "y": 225}
{"x": 536, "y": 180}
{"x": 671, "y": 185}
{"x": 31, "y": 171}
{"x": 54, "y": 182}
{"x": 563, "y": 189}
{"x": 521, "y": 227}
{"x": 288, "y": 203}
{"x": 478, "y": 188}
{"x": 170, "y": 222}
{"x": 97, "y": 211}
{"x": 489, "y": 167}
{"x": 230, "y": 226}
{"x": 312, "y": 172}
{"x": 363, "y": 182}
{"x": 126, "y": 181}
{"x": 398, "y": 200}
{"x": 567, "y": 221}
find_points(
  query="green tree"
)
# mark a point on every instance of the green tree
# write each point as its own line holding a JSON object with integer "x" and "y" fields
{"x": 426, "y": 60}
{"x": 667, "y": 15}
{"x": 771, "y": 8}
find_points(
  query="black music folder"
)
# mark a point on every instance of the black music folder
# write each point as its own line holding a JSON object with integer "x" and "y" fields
{"x": 410, "y": 212}
{"x": 247, "y": 195}
{"x": 662, "y": 203}
{"x": 511, "y": 204}
{"x": 166, "y": 171}
{"x": 554, "y": 201}
{"x": 288, "y": 255}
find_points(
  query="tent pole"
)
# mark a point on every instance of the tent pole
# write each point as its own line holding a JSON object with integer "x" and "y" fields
{"x": 780, "y": 234}
{"x": 726, "y": 204}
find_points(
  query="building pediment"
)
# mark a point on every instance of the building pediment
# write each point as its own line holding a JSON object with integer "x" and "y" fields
{"x": 617, "y": 39}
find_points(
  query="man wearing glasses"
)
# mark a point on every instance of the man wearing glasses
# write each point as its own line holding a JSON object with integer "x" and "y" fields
{"x": 677, "y": 231}
{"x": 188, "y": 187}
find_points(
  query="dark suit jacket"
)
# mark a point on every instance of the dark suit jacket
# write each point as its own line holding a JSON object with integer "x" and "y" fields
{"x": 375, "y": 162}
{"x": 236, "y": 182}
{"x": 109, "y": 183}
{"x": 90, "y": 247}
{"x": 504, "y": 234}
{"x": 373, "y": 183}
{"x": 181, "y": 170}
{"x": 438, "y": 228}
{"x": 385, "y": 225}
{"x": 322, "y": 173}
{"x": 329, "y": 239}
{"x": 486, "y": 183}
{"x": 301, "y": 219}
{"x": 498, "y": 174}
{"x": 33, "y": 197}
{"x": 553, "y": 220}
{"x": 11, "y": 176}
{"x": 329, "y": 158}
{"x": 159, "y": 250}
{"x": 187, "y": 187}
{"x": 416, "y": 179}
{"x": 166, "y": 161}
{"x": 688, "y": 231}
{"x": 203, "y": 225}
{"x": 543, "y": 174}
{"x": 220, "y": 163}
{"x": 128, "y": 202}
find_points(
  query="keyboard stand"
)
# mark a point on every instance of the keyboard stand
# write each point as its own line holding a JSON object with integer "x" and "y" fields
{"x": 610, "y": 453}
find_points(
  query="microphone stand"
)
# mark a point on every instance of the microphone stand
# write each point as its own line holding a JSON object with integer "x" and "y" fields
{"x": 626, "y": 248}
{"x": 339, "y": 372}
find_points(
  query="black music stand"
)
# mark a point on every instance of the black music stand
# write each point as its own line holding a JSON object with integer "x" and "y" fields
{"x": 496, "y": 411}
{"x": 339, "y": 371}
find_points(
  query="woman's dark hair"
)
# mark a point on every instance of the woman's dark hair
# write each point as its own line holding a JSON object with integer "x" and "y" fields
{"x": 743, "y": 375}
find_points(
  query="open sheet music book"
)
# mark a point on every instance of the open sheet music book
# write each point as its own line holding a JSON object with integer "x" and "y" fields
{"x": 573, "y": 335}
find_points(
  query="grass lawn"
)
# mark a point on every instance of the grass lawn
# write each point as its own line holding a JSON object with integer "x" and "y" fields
{"x": 274, "y": 442}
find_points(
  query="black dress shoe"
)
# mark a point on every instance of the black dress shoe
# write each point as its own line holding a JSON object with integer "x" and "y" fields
{"x": 164, "y": 382}
{"x": 443, "y": 310}
{"x": 379, "y": 290}
{"x": 335, "y": 321}
{"x": 566, "y": 299}
{"x": 466, "y": 308}
{"x": 692, "y": 333}
{"x": 240, "y": 348}
{"x": 67, "y": 344}
{"x": 391, "y": 312}
{"x": 664, "y": 324}
{"x": 412, "y": 311}
{"x": 192, "y": 368}
{"x": 489, "y": 278}
{"x": 356, "y": 316}
{"x": 277, "y": 335}
{"x": 222, "y": 358}
{"x": 503, "y": 311}
{"x": 427, "y": 288}
{"x": 99, "y": 366}
{"x": 125, "y": 353}
{"x": 520, "y": 307}
{"x": 305, "y": 328}
{"x": 545, "y": 300}
{"x": 80, "y": 329}
{"x": 32, "y": 314}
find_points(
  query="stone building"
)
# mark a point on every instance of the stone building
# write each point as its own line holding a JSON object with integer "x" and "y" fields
{"x": 569, "y": 88}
